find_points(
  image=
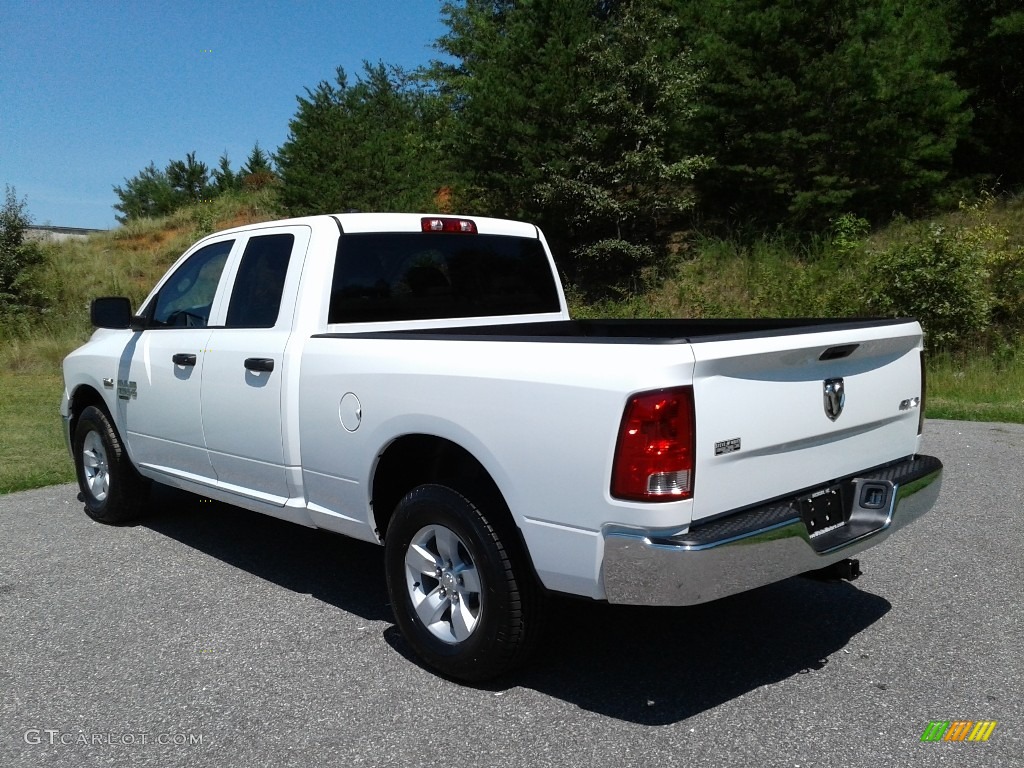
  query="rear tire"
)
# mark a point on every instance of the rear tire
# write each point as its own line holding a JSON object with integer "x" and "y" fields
{"x": 113, "y": 492}
{"x": 468, "y": 606}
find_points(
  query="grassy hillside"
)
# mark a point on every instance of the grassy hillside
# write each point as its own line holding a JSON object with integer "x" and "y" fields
{"x": 845, "y": 272}
{"x": 961, "y": 273}
{"x": 126, "y": 261}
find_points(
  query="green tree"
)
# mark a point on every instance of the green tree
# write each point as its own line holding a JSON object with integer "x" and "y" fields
{"x": 817, "y": 107}
{"x": 989, "y": 63}
{"x": 258, "y": 171}
{"x": 17, "y": 256}
{"x": 370, "y": 145}
{"x": 569, "y": 113}
{"x": 224, "y": 178}
{"x": 189, "y": 178}
{"x": 623, "y": 181}
{"x": 514, "y": 88}
{"x": 153, "y": 192}
{"x": 150, "y": 193}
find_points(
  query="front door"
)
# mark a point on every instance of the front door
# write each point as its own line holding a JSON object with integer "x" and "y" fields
{"x": 161, "y": 370}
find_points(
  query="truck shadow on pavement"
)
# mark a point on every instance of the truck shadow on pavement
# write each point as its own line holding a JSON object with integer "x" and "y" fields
{"x": 656, "y": 666}
{"x": 651, "y": 666}
{"x": 338, "y": 570}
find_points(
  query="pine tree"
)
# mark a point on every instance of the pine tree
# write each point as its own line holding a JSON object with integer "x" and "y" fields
{"x": 624, "y": 180}
{"x": 225, "y": 179}
{"x": 258, "y": 171}
{"x": 371, "y": 145}
{"x": 149, "y": 193}
{"x": 514, "y": 88}
{"x": 816, "y": 107}
{"x": 989, "y": 63}
{"x": 189, "y": 178}
{"x": 568, "y": 113}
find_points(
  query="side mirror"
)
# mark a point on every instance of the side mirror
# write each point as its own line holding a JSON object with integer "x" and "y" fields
{"x": 111, "y": 312}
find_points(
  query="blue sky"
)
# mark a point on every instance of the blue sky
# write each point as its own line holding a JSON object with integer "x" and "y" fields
{"x": 91, "y": 92}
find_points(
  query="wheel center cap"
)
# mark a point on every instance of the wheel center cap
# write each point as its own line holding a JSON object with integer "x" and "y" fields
{"x": 449, "y": 581}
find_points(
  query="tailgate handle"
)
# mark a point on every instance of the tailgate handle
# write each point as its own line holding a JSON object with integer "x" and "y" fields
{"x": 183, "y": 359}
{"x": 259, "y": 364}
{"x": 837, "y": 353}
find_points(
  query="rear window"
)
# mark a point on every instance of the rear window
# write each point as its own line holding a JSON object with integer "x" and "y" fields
{"x": 256, "y": 297}
{"x": 426, "y": 276}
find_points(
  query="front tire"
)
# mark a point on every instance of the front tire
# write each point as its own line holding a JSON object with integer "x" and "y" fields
{"x": 112, "y": 490}
{"x": 464, "y": 601}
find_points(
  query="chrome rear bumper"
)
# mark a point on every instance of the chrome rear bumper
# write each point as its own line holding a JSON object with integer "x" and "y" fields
{"x": 765, "y": 544}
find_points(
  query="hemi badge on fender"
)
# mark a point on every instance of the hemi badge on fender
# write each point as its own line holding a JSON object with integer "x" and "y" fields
{"x": 727, "y": 446}
{"x": 127, "y": 390}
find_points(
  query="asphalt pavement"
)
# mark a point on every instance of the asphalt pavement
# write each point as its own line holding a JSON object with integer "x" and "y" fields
{"x": 211, "y": 636}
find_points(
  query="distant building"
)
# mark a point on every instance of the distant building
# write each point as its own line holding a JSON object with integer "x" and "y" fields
{"x": 45, "y": 232}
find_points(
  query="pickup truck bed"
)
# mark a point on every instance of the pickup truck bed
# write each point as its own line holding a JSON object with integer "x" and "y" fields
{"x": 639, "y": 331}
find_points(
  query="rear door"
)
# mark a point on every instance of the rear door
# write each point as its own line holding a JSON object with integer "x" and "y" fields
{"x": 782, "y": 413}
{"x": 246, "y": 370}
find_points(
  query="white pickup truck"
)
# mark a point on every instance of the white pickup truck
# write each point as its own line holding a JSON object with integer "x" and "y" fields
{"x": 416, "y": 381}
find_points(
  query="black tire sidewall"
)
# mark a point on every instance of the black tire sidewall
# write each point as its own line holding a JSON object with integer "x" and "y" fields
{"x": 488, "y": 651}
{"x": 116, "y": 506}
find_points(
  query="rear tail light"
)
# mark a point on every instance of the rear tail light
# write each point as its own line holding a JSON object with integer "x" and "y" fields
{"x": 654, "y": 455}
{"x": 447, "y": 224}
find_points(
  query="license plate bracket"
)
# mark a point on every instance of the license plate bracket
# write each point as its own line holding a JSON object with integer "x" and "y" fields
{"x": 824, "y": 510}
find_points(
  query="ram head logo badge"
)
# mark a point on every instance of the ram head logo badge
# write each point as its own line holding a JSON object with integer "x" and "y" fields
{"x": 835, "y": 398}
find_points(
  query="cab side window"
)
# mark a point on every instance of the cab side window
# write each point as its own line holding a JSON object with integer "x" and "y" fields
{"x": 259, "y": 285}
{"x": 186, "y": 299}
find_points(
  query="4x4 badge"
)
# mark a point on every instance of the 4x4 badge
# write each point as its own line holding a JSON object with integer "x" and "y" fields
{"x": 835, "y": 398}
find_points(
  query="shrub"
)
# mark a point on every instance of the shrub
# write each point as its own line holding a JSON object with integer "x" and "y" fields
{"x": 847, "y": 233}
{"x": 1006, "y": 270}
{"x": 611, "y": 267}
{"x": 18, "y": 255}
{"x": 939, "y": 275}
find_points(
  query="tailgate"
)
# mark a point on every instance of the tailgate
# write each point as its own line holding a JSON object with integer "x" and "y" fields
{"x": 781, "y": 414}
